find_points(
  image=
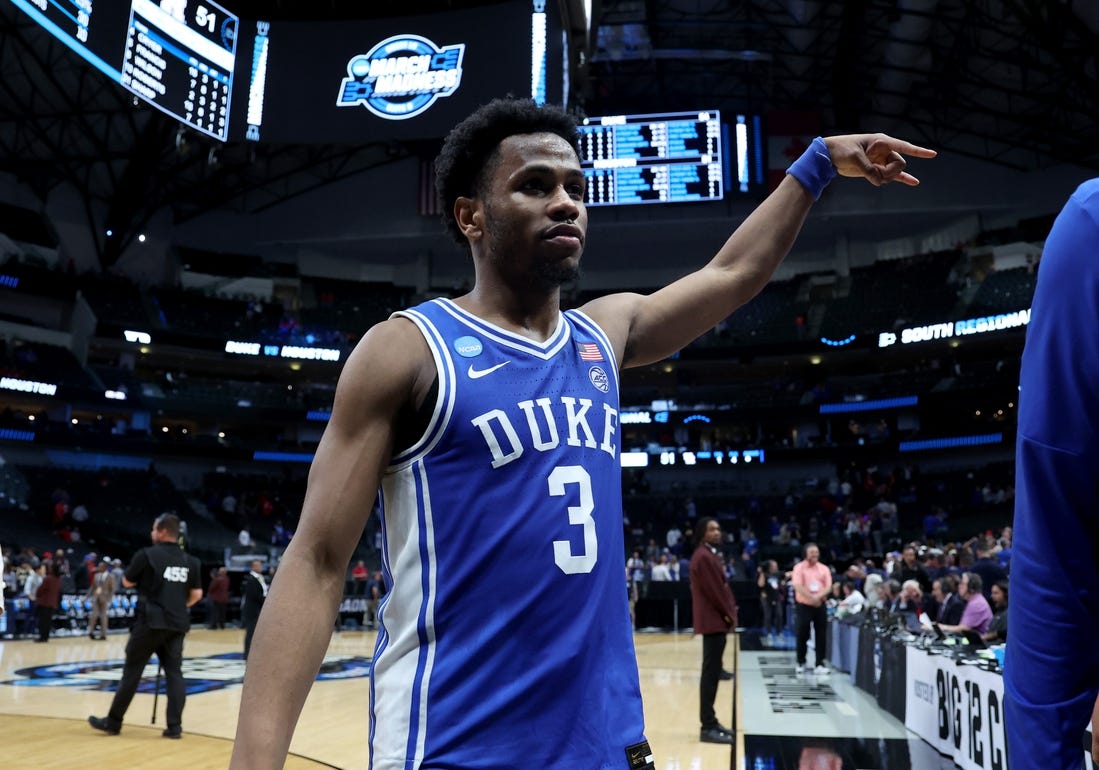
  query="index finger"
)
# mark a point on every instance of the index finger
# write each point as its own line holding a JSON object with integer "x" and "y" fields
{"x": 907, "y": 148}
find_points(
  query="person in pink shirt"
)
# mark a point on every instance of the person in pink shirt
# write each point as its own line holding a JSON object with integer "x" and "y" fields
{"x": 812, "y": 582}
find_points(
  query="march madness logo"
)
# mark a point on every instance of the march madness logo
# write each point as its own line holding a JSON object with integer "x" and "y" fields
{"x": 215, "y": 672}
{"x": 401, "y": 76}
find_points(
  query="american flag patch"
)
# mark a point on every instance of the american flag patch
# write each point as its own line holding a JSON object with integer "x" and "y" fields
{"x": 589, "y": 351}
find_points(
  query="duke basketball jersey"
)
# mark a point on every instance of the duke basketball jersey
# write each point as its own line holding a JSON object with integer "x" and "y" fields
{"x": 505, "y": 639}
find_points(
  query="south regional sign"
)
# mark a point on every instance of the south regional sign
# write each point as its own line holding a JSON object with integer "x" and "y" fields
{"x": 950, "y": 329}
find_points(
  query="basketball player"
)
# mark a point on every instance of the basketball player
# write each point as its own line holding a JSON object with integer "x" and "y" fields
{"x": 1051, "y": 674}
{"x": 491, "y": 424}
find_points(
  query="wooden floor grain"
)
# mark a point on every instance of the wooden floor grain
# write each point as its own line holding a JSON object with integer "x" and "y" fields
{"x": 45, "y": 727}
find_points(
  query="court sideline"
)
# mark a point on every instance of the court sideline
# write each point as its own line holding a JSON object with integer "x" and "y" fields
{"x": 48, "y": 690}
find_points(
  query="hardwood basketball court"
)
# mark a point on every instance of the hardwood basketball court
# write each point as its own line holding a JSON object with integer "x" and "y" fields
{"x": 48, "y": 690}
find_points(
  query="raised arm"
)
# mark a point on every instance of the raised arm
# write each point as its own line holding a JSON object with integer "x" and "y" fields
{"x": 650, "y": 328}
{"x": 295, "y": 625}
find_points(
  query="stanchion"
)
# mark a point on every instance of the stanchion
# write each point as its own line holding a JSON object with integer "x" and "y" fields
{"x": 156, "y": 689}
{"x": 736, "y": 691}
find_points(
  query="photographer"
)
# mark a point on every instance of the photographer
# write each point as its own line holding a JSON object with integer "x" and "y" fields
{"x": 771, "y": 589}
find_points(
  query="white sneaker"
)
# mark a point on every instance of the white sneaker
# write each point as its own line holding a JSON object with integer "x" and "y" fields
{"x": 822, "y": 671}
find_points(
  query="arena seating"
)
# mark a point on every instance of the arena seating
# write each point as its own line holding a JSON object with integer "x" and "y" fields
{"x": 116, "y": 300}
{"x": 121, "y": 504}
{"x": 1005, "y": 291}
{"x": 193, "y": 312}
{"x": 42, "y": 363}
{"x": 349, "y": 307}
{"x": 769, "y": 318}
{"x": 893, "y": 293}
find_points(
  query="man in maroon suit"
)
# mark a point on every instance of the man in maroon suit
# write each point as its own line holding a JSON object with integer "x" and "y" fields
{"x": 714, "y": 611}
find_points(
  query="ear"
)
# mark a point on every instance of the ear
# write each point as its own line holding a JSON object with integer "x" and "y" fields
{"x": 470, "y": 216}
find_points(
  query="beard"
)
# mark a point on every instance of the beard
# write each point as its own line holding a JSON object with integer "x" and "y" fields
{"x": 505, "y": 238}
{"x": 543, "y": 274}
{"x": 553, "y": 275}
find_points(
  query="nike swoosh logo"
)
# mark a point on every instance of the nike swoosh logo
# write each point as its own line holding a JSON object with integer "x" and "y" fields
{"x": 476, "y": 374}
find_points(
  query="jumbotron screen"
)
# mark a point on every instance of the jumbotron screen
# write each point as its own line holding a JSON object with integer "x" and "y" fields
{"x": 303, "y": 82}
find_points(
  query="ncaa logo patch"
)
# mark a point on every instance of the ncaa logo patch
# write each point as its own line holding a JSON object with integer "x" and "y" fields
{"x": 205, "y": 674}
{"x": 599, "y": 378}
{"x": 402, "y": 76}
{"x": 468, "y": 347}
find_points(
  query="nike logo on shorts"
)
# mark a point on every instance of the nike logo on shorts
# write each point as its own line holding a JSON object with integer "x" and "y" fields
{"x": 476, "y": 374}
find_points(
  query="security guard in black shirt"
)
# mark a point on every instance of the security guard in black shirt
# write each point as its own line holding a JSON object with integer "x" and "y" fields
{"x": 168, "y": 582}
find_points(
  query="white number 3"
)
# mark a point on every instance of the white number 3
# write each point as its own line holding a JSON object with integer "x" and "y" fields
{"x": 579, "y": 515}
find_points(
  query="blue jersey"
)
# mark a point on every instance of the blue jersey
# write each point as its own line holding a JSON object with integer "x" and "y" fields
{"x": 1052, "y": 668}
{"x": 505, "y": 637}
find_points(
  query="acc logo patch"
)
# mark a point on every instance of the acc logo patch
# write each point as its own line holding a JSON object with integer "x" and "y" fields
{"x": 599, "y": 378}
{"x": 215, "y": 672}
{"x": 401, "y": 76}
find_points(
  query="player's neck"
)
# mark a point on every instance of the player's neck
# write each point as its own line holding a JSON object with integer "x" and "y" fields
{"x": 532, "y": 313}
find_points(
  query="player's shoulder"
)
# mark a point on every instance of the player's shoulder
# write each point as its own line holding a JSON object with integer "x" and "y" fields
{"x": 1080, "y": 215}
{"x": 396, "y": 338}
{"x": 392, "y": 355}
{"x": 613, "y": 314}
{"x": 1089, "y": 190}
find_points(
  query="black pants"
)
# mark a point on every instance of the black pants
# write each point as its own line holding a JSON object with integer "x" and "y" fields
{"x": 217, "y": 614}
{"x": 818, "y": 618}
{"x": 168, "y": 646}
{"x": 249, "y": 624}
{"x": 713, "y": 648}
{"x": 772, "y": 617}
{"x": 45, "y": 621}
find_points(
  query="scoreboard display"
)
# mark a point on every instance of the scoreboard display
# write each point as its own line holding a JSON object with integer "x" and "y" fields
{"x": 182, "y": 63}
{"x": 178, "y": 56}
{"x": 354, "y": 81}
{"x": 664, "y": 158}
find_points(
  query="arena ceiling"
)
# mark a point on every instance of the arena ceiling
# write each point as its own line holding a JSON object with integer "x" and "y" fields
{"x": 1009, "y": 82}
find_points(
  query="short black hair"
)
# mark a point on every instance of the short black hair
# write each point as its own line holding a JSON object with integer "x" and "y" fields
{"x": 167, "y": 522}
{"x": 470, "y": 146}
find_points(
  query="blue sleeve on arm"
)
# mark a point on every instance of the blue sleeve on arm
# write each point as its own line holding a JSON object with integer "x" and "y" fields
{"x": 1051, "y": 674}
